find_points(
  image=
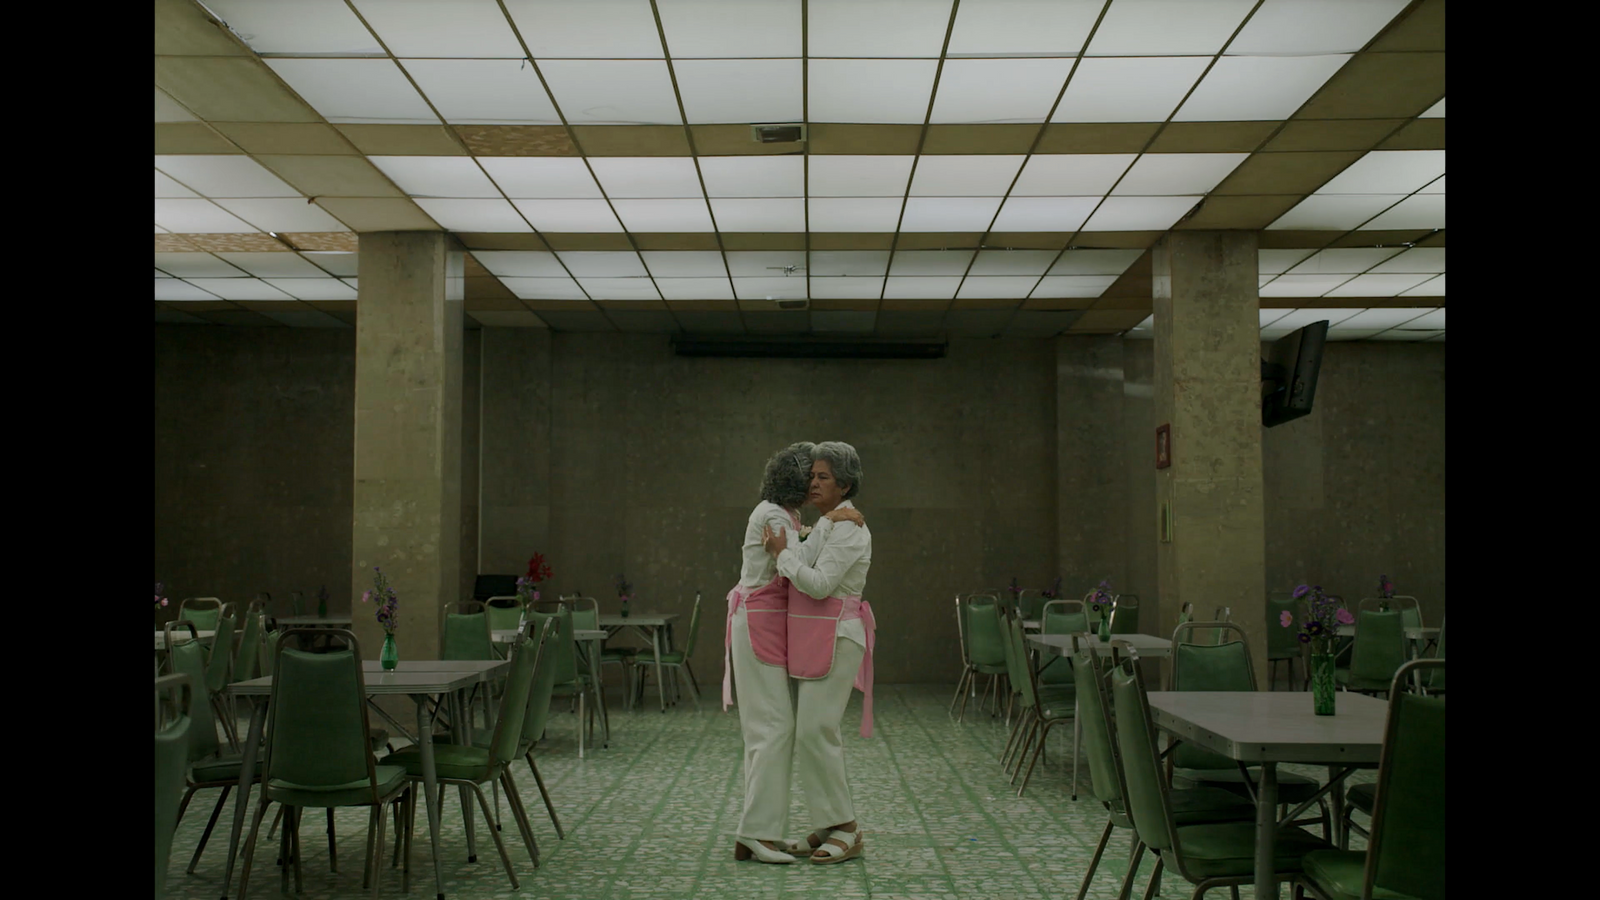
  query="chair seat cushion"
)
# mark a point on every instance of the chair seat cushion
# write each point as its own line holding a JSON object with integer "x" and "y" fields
{"x": 617, "y": 654}
{"x": 1340, "y": 874}
{"x": 352, "y": 793}
{"x": 1362, "y": 796}
{"x": 1371, "y": 685}
{"x": 1229, "y": 849}
{"x": 1206, "y": 805}
{"x": 222, "y": 768}
{"x": 1293, "y": 789}
{"x": 668, "y": 657}
{"x": 453, "y": 761}
{"x": 988, "y": 669}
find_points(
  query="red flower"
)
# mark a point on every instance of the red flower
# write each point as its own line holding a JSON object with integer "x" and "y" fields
{"x": 538, "y": 570}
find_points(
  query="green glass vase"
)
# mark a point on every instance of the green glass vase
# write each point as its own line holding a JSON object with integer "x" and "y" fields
{"x": 1322, "y": 683}
{"x": 390, "y": 657}
{"x": 1105, "y": 628}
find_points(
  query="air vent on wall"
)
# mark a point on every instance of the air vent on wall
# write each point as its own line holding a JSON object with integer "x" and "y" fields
{"x": 807, "y": 348}
{"x": 778, "y": 134}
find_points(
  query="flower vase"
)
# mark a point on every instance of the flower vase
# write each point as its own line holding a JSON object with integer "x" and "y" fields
{"x": 322, "y": 609}
{"x": 391, "y": 654}
{"x": 1105, "y": 628}
{"x": 624, "y": 608}
{"x": 1322, "y": 683}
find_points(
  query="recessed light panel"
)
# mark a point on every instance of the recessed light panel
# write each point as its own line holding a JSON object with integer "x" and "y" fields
{"x": 300, "y": 27}
{"x": 1023, "y": 27}
{"x": 240, "y": 288}
{"x": 764, "y": 287}
{"x": 1139, "y": 213}
{"x": 899, "y": 95}
{"x": 663, "y": 215}
{"x": 561, "y": 29}
{"x": 167, "y": 189}
{"x": 753, "y": 176}
{"x": 1349, "y": 261}
{"x": 1167, "y": 27}
{"x": 723, "y": 28}
{"x": 541, "y": 177}
{"x": 1276, "y": 262}
{"x": 1433, "y": 287}
{"x": 460, "y": 28}
{"x": 1299, "y": 318}
{"x": 620, "y": 288}
{"x": 1435, "y": 186}
{"x": 487, "y": 91}
{"x": 997, "y": 287}
{"x": 1377, "y": 285}
{"x": 172, "y": 289}
{"x": 197, "y": 265}
{"x": 882, "y": 28}
{"x": 1012, "y": 262}
{"x": 473, "y": 215}
{"x": 859, "y": 176}
{"x": 1095, "y": 262}
{"x": 335, "y": 262}
{"x": 223, "y": 176}
{"x": 544, "y": 288}
{"x": 1304, "y": 27}
{"x": 695, "y": 288}
{"x": 759, "y": 215}
{"x": 922, "y": 288}
{"x": 1071, "y": 174}
{"x": 1257, "y": 88}
{"x": 520, "y": 263}
{"x": 1387, "y": 172}
{"x": 274, "y": 265}
{"x": 765, "y": 263}
{"x": 1432, "y": 319}
{"x": 647, "y": 176}
{"x": 949, "y": 213}
{"x": 726, "y": 91}
{"x": 199, "y": 217}
{"x": 1122, "y": 89}
{"x": 846, "y": 288}
{"x": 364, "y": 91}
{"x": 1044, "y": 213}
{"x": 1416, "y": 260}
{"x": 1168, "y": 174}
{"x": 848, "y": 262}
{"x": 685, "y": 263}
{"x": 854, "y": 214}
{"x": 1382, "y": 318}
{"x": 998, "y": 90}
{"x": 930, "y": 262}
{"x": 569, "y": 216}
{"x": 964, "y": 176}
{"x": 456, "y": 177}
{"x": 313, "y": 288}
{"x": 1435, "y": 111}
{"x": 612, "y": 91}
{"x": 1332, "y": 212}
{"x": 603, "y": 263}
{"x": 1416, "y": 211}
{"x": 1302, "y": 285}
{"x": 1056, "y": 286}
{"x": 283, "y": 215}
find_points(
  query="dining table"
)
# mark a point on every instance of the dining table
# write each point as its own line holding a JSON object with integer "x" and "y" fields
{"x": 654, "y": 627}
{"x": 1265, "y": 728}
{"x": 419, "y": 680}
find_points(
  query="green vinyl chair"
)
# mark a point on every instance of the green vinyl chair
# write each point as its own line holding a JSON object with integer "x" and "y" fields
{"x": 472, "y": 766}
{"x": 1433, "y": 678}
{"x": 1379, "y": 651}
{"x": 318, "y": 754}
{"x": 1283, "y": 644}
{"x": 245, "y": 659}
{"x": 986, "y": 653}
{"x": 676, "y": 660}
{"x": 1194, "y": 806}
{"x": 174, "y": 692}
{"x": 1029, "y": 604}
{"x": 1046, "y": 709}
{"x": 466, "y": 637}
{"x": 1185, "y": 613}
{"x": 1060, "y": 617}
{"x": 505, "y": 613}
{"x": 966, "y": 666}
{"x": 1125, "y": 614}
{"x": 202, "y": 611}
{"x": 1405, "y": 855}
{"x": 533, "y": 723}
{"x": 1206, "y": 855}
{"x": 1226, "y": 666}
{"x": 569, "y": 679}
{"x": 219, "y": 674}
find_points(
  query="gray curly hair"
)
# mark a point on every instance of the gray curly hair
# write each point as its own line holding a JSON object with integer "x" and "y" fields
{"x": 844, "y": 461}
{"x": 787, "y": 479}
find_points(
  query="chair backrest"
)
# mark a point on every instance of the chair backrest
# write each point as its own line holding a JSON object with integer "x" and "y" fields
{"x": 1408, "y": 607}
{"x": 466, "y": 636}
{"x": 985, "y": 644}
{"x": 1405, "y": 853}
{"x": 188, "y": 658}
{"x": 524, "y": 656}
{"x": 566, "y": 664}
{"x": 1185, "y": 613}
{"x": 1380, "y": 646}
{"x": 505, "y": 612}
{"x": 202, "y": 611}
{"x": 1433, "y": 679}
{"x": 1208, "y": 667}
{"x": 961, "y": 631}
{"x": 1063, "y": 617}
{"x": 244, "y": 661}
{"x": 694, "y": 628}
{"x": 1018, "y": 668}
{"x": 1146, "y": 790}
{"x": 1279, "y": 638}
{"x": 548, "y": 643}
{"x": 219, "y": 669}
{"x": 1029, "y": 602}
{"x": 172, "y": 757}
{"x": 1105, "y": 775}
{"x": 585, "y": 613}
{"x": 317, "y": 729}
{"x": 1125, "y": 615}
{"x": 269, "y": 650}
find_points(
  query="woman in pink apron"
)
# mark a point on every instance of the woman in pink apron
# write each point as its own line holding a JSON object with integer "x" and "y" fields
{"x": 830, "y": 639}
{"x": 756, "y": 655}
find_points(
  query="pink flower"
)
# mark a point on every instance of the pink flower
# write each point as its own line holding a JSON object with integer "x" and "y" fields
{"x": 1344, "y": 617}
{"x": 1286, "y": 618}
{"x": 163, "y": 601}
{"x": 366, "y": 596}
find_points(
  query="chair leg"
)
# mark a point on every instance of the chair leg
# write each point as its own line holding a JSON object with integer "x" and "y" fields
{"x": 969, "y": 678}
{"x": 1044, "y": 738}
{"x": 498, "y": 843}
{"x": 546, "y": 795}
{"x": 1094, "y": 862}
{"x": 1027, "y": 744}
{"x": 1077, "y": 730}
{"x": 1154, "y": 887}
{"x": 374, "y": 814}
{"x": 210, "y": 824}
{"x": 250, "y": 848}
{"x": 960, "y": 684}
{"x": 377, "y": 851}
{"x": 184, "y": 804}
{"x": 333, "y": 850}
{"x": 519, "y": 812}
{"x": 1133, "y": 868}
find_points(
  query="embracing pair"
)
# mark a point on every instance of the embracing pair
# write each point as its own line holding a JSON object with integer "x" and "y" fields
{"x": 799, "y": 638}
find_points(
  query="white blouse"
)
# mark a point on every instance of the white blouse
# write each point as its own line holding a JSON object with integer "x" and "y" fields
{"x": 759, "y": 566}
{"x": 832, "y": 562}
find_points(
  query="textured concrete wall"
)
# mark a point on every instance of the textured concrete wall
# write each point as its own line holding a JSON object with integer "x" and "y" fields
{"x": 1093, "y": 486}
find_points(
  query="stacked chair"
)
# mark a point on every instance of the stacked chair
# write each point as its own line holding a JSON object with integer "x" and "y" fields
{"x": 1040, "y": 710}
{"x": 983, "y": 646}
{"x": 173, "y": 730}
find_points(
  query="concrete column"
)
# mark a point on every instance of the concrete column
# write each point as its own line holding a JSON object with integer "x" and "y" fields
{"x": 1091, "y": 486}
{"x": 1208, "y": 388}
{"x": 407, "y": 498}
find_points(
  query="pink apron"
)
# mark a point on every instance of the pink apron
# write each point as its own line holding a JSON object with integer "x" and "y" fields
{"x": 813, "y": 630}
{"x": 765, "y": 616}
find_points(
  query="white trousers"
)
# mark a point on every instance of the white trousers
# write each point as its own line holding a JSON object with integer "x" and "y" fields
{"x": 818, "y": 747}
{"x": 766, "y": 717}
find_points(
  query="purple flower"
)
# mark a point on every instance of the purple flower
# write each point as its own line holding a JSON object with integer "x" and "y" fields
{"x": 1304, "y": 638}
{"x": 1314, "y": 628}
{"x": 1300, "y": 591}
{"x": 1286, "y": 618}
{"x": 1343, "y": 616}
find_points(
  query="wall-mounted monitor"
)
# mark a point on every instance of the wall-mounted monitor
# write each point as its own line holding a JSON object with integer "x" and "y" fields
{"x": 1289, "y": 374}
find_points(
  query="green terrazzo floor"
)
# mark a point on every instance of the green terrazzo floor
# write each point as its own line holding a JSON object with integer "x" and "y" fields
{"x": 653, "y": 816}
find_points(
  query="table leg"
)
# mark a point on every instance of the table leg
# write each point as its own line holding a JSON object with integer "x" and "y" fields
{"x": 247, "y": 767}
{"x": 599, "y": 693}
{"x": 430, "y": 784}
{"x": 1336, "y": 808}
{"x": 461, "y": 733}
{"x": 661, "y": 686}
{"x": 1266, "y": 831}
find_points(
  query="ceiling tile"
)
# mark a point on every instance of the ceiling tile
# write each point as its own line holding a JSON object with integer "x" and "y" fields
{"x": 1134, "y": 89}
{"x": 768, "y": 288}
{"x": 365, "y": 91}
{"x": 764, "y": 263}
{"x": 740, "y": 90}
{"x": 1012, "y": 262}
{"x": 1432, "y": 319}
{"x": 685, "y": 263}
{"x": 1167, "y": 27}
{"x": 845, "y": 138}
{"x": 544, "y": 288}
{"x": 620, "y": 288}
{"x": 314, "y": 288}
{"x": 404, "y": 140}
{"x": 1071, "y": 175}
{"x": 172, "y": 289}
{"x": 337, "y": 263}
{"x": 569, "y": 215}
{"x": 456, "y": 177}
{"x": 331, "y": 176}
{"x": 1388, "y": 317}
{"x": 950, "y": 214}
{"x": 1095, "y": 262}
{"x": 1285, "y": 173}
{"x": 303, "y": 27}
{"x": 998, "y": 90}
{"x": 616, "y": 29}
{"x": 272, "y": 265}
{"x": 997, "y": 286}
{"x": 848, "y": 262}
{"x": 1244, "y": 88}
{"x": 1388, "y": 172}
{"x": 1340, "y": 212}
{"x": 1167, "y": 174}
{"x": 930, "y": 262}
{"x": 1377, "y": 285}
{"x": 631, "y": 140}
{"x": 846, "y": 287}
{"x": 612, "y": 91}
{"x": 460, "y": 28}
{"x": 964, "y": 176}
{"x": 1428, "y": 260}
{"x": 521, "y": 263}
{"x": 198, "y": 217}
{"x": 900, "y": 90}
{"x": 859, "y": 176}
{"x": 377, "y": 213}
{"x": 168, "y": 189}
{"x": 1302, "y": 285}
{"x": 1380, "y": 86}
{"x": 1419, "y": 134}
{"x": 1417, "y": 211}
{"x": 613, "y": 264}
{"x": 1139, "y": 213}
{"x": 1239, "y": 213}
{"x": 1348, "y": 261}
{"x": 473, "y": 215}
{"x": 169, "y": 110}
{"x": 532, "y": 177}
{"x": 224, "y": 176}
{"x": 283, "y": 215}
{"x": 516, "y": 140}
{"x": 923, "y": 287}
{"x": 1073, "y": 285}
{"x": 229, "y": 90}
{"x": 695, "y": 288}
{"x": 487, "y": 91}
{"x": 1302, "y": 27}
{"x": 1044, "y": 213}
{"x": 753, "y": 176}
{"x": 726, "y": 28}
{"x": 1212, "y": 137}
{"x": 191, "y": 137}
{"x": 239, "y": 288}
{"x": 1277, "y": 262}
{"x": 664, "y": 177}
{"x": 1435, "y": 111}
{"x": 759, "y": 215}
{"x": 1023, "y": 28}
{"x": 197, "y": 265}
{"x": 663, "y": 215}
{"x": 883, "y": 28}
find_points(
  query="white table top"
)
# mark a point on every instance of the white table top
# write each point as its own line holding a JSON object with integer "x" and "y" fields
{"x": 645, "y": 619}
{"x": 1145, "y": 644}
{"x": 486, "y": 669}
{"x": 507, "y": 635}
{"x": 1415, "y": 634}
{"x": 1031, "y": 624}
{"x": 161, "y": 637}
{"x": 313, "y": 621}
{"x": 396, "y": 682}
{"x": 1275, "y": 726}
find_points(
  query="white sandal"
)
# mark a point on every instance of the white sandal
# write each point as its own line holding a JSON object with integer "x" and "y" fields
{"x": 852, "y": 850}
{"x": 805, "y": 846}
{"x": 745, "y": 848}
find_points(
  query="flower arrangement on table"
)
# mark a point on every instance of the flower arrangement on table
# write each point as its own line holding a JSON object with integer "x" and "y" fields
{"x": 1101, "y": 600}
{"x": 1016, "y": 591}
{"x": 1385, "y": 587}
{"x": 160, "y": 600}
{"x": 1053, "y": 592}
{"x": 388, "y": 602}
{"x": 624, "y": 593}
{"x": 1324, "y": 615}
{"x": 528, "y": 585}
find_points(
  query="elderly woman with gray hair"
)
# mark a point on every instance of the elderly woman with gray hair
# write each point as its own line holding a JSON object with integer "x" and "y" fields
{"x": 830, "y": 640}
{"x": 756, "y": 656}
